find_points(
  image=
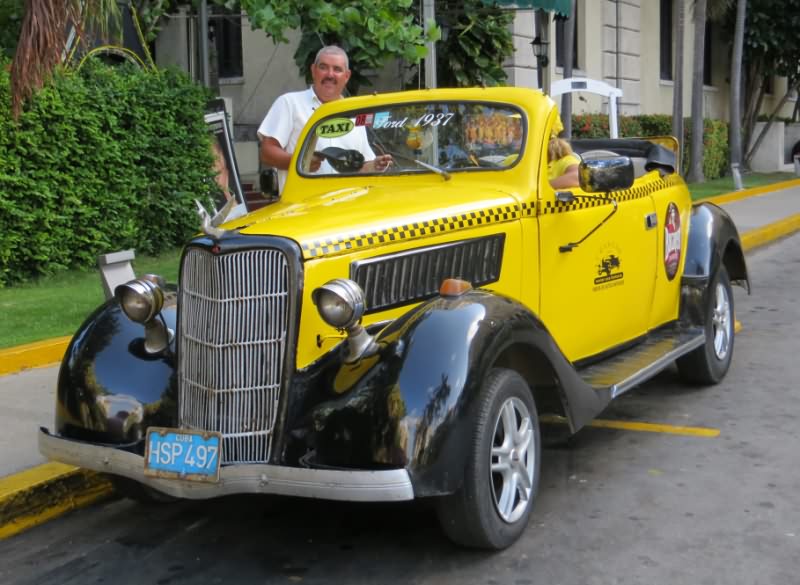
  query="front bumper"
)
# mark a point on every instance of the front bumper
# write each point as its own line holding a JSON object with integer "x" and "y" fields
{"x": 331, "y": 484}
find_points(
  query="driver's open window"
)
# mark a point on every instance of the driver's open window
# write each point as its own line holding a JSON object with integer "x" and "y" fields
{"x": 451, "y": 136}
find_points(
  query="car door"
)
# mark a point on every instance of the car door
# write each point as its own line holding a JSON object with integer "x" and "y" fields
{"x": 597, "y": 293}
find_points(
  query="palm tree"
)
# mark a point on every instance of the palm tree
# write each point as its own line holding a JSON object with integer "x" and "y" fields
{"x": 696, "y": 162}
{"x": 677, "y": 84}
{"x": 43, "y": 38}
{"x": 569, "y": 45}
{"x": 735, "y": 126}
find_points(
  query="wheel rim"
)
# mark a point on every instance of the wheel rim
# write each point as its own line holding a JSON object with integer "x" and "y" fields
{"x": 512, "y": 460}
{"x": 721, "y": 322}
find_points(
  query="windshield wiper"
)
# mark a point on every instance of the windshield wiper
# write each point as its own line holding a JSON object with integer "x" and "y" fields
{"x": 435, "y": 169}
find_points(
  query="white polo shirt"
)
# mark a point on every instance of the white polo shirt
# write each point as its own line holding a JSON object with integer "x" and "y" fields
{"x": 287, "y": 117}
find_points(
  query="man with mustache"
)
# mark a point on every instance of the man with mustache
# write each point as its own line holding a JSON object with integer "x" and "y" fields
{"x": 280, "y": 130}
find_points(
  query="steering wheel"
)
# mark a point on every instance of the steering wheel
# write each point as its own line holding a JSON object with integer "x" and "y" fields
{"x": 342, "y": 160}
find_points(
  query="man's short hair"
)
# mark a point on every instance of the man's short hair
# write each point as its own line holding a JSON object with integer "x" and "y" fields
{"x": 332, "y": 50}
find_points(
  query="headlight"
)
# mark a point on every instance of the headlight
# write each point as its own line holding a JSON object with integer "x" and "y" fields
{"x": 340, "y": 303}
{"x": 140, "y": 299}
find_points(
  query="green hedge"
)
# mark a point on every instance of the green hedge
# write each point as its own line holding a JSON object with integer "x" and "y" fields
{"x": 715, "y": 157}
{"x": 108, "y": 159}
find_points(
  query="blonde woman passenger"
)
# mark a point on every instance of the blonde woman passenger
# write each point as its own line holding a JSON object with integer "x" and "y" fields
{"x": 562, "y": 166}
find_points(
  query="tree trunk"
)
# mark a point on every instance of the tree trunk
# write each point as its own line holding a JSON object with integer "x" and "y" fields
{"x": 735, "y": 124}
{"x": 696, "y": 163}
{"x": 754, "y": 97}
{"x": 566, "y": 99}
{"x": 766, "y": 127}
{"x": 677, "y": 77}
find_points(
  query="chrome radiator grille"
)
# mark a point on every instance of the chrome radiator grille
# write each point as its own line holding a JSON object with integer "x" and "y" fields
{"x": 232, "y": 339}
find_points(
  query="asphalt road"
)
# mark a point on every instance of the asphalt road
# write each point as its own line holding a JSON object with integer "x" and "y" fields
{"x": 615, "y": 506}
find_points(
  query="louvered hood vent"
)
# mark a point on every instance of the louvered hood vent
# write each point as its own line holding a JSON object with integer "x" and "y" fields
{"x": 410, "y": 277}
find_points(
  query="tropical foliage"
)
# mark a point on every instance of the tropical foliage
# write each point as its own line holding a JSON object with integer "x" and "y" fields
{"x": 108, "y": 159}
{"x": 10, "y": 22}
{"x": 371, "y": 31}
{"x": 477, "y": 43}
{"x": 714, "y": 136}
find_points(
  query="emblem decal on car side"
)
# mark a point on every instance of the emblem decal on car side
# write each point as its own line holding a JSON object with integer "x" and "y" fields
{"x": 609, "y": 269}
{"x": 672, "y": 240}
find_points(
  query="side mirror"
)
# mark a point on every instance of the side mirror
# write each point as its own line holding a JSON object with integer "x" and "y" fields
{"x": 604, "y": 175}
{"x": 268, "y": 183}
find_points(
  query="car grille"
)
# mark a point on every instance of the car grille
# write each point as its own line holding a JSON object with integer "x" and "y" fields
{"x": 232, "y": 340}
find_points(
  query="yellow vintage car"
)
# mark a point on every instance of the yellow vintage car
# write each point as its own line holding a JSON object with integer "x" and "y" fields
{"x": 393, "y": 326}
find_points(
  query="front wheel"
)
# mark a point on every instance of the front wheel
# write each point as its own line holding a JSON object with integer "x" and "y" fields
{"x": 709, "y": 363}
{"x": 501, "y": 478}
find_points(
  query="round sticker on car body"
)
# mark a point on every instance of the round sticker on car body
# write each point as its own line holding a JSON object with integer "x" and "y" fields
{"x": 335, "y": 127}
{"x": 672, "y": 240}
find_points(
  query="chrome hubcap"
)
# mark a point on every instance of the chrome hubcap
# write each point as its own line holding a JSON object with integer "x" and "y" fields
{"x": 721, "y": 322}
{"x": 512, "y": 460}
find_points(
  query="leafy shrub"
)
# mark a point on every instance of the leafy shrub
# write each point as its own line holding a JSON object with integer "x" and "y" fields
{"x": 715, "y": 139}
{"x": 104, "y": 160}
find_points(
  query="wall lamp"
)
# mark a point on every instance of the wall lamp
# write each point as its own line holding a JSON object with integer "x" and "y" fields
{"x": 540, "y": 51}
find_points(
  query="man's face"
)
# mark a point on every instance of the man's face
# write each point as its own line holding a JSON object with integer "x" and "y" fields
{"x": 330, "y": 76}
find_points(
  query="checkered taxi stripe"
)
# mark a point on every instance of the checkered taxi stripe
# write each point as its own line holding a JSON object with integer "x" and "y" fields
{"x": 356, "y": 241}
{"x": 620, "y": 196}
{"x": 319, "y": 248}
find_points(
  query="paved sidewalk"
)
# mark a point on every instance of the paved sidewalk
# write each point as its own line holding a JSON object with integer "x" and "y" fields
{"x": 765, "y": 209}
{"x": 28, "y": 396}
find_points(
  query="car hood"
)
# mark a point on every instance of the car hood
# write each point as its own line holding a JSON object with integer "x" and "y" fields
{"x": 336, "y": 221}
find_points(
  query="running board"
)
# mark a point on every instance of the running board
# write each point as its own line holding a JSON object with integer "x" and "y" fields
{"x": 621, "y": 372}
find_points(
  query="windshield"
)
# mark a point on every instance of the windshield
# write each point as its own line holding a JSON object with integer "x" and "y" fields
{"x": 442, "y": 137}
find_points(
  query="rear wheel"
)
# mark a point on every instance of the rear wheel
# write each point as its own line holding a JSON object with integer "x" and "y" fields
{"x": 709, "y": 363}
{"x": 501, "y": 479}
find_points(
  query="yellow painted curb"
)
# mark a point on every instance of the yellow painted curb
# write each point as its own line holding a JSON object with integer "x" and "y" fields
{"x": 769, "y": 233}
{"x": 752, "y": 192}
{"x": 36, "y": 495}
{"x": 33, "y": 355}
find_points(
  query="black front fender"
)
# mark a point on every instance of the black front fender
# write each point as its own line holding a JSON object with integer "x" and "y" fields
{"x": 713, "y": 241}
{"x": 414, "y": 404}
{"x": 109, "y": 389}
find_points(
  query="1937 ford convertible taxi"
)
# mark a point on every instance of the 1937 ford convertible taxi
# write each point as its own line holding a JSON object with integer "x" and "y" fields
{"x": 394, "y": 335}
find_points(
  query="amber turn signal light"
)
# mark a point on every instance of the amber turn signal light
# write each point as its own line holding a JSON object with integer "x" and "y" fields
{"x": 454, "y": 287}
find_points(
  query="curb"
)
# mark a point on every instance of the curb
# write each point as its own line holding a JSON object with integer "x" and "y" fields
{"x": 751, "y": 192}
{"x": 769, "y": 233}
{"x": 39, "y": 354}
{"x": 39, "y": 494}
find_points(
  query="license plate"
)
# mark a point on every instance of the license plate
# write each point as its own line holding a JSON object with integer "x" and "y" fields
{"x": 182, "y": 454}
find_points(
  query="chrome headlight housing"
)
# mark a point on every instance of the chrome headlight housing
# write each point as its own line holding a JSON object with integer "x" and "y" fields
{"x": 340, "y": 303}
{"x": 141, "y": 299}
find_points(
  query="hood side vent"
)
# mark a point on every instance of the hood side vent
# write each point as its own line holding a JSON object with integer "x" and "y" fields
{"x": 410, "y": 277}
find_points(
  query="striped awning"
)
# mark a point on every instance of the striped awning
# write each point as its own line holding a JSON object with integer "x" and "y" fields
{"x": 562, "y": 7}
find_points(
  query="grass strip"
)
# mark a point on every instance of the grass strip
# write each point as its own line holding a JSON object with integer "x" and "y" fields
{"x": 725, "y": 184}
{"x": 56, "y": 306}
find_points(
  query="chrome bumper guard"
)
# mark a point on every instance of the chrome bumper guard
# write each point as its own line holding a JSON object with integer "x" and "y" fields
{"x": 354, "y": 486}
